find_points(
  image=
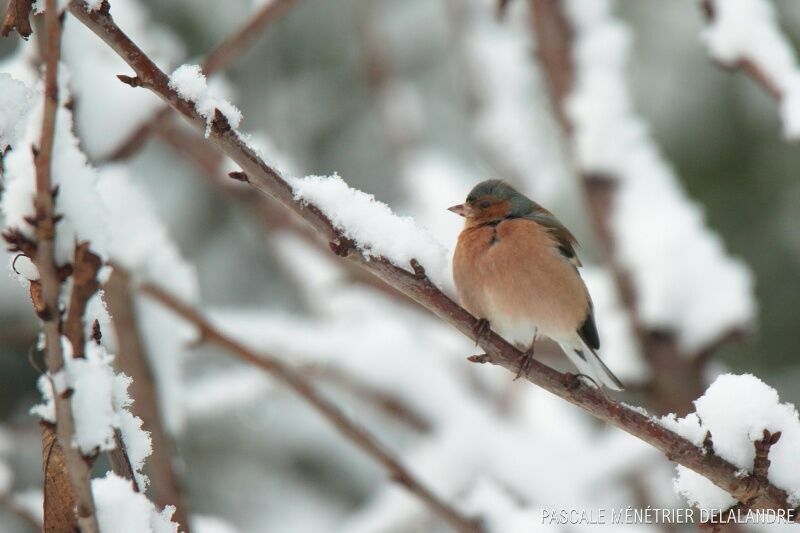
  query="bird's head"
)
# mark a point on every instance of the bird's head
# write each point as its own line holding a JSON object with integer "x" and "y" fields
{"x": 493, "y": 200}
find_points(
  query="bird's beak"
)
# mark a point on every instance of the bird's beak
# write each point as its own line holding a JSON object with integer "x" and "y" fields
{"x": 460, "y": 209}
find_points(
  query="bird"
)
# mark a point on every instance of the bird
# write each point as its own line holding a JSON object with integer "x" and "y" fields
{"x": 515, "y": 268}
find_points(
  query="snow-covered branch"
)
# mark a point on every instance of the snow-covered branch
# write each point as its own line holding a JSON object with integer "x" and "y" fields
{"x": 45, "y": 291}
{"x": 330, "y": 207}
{"x": 744, "y": 35}
{"x": 684, "y": 293}
{"x": 219, "y": 58}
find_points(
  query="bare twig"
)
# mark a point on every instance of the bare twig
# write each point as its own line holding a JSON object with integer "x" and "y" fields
{"x": 49, "y": 285}
{"x": 356, "y": 434}
{"x": 388, "y": 404}
{"x": 218, "y": 59}
{"x": 419, "y": 288}
{"x": 17, "y": 18}
{"x": 132, "y": 359}
{"x": 761, "y": 465}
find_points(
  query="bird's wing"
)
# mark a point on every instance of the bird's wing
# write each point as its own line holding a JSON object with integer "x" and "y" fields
{"x": 565, "y": 239}
{"x": 588, "y": 330}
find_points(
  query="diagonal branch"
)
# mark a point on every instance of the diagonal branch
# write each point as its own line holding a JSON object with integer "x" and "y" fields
{"x": 417, "y": 286}
{"x": 299, "y": 384}
{"x": 217, "y": 60}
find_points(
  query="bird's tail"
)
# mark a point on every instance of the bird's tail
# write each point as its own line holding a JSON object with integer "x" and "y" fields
{"x": 588, "y": 362}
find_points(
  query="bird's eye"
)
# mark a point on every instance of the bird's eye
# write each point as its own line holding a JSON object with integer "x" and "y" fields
{"x": 485, "y": 204}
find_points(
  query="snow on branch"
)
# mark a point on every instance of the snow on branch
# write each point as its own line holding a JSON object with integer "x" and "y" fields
{"x": 58, "y": 222}
{"x": 685, "y": 281}
{"x": 760, "y": 436}
{"x": 39, "y": 245}
{"x": 418, "y": 287}
{"x": 219, "y": 58}
{"x": 744, "y": 35}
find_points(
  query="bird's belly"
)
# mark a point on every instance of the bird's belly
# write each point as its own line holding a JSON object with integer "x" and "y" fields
{"x": 524, "y": 294}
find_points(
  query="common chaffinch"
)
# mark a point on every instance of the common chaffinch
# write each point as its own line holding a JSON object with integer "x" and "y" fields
{"x": 515, "y": 266}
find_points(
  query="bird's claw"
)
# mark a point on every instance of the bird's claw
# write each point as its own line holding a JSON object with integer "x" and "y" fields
{"x": 573, "y": 381}
{"x": 482, "y": 329}
{"x": 525, "y": 365}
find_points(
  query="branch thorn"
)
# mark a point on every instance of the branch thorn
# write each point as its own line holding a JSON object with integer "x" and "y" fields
{"x": 133, "y": 81}
{"x": 239, "y": 176}
{"x": 419, "y": 270}
{"x": 220, "y": 124}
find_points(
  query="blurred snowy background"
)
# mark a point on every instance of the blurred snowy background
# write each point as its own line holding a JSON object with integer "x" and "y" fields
{"x": 413, "y": 101}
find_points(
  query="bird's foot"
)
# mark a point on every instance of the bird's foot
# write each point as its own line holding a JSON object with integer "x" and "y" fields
{"x": 525, "y": 365}
{"x": 481, "y": 330}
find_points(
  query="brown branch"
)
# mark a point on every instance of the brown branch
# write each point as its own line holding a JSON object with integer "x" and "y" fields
{"x": 268, "y": 212}
{"x": 219, "y": 58}
{"x": 46, "y": 296}
{"x": 17, "y": 18}
{"x": 419, "y": 288}
{"x": 761, "y": 465}
{"x": 677, "y": 378}
{"x": 132, "y": 359}
{"x": 85, "y": 267}
{"x": 748, "y": 67}
{"x": 299, "y": 384}
{"x": 387, "y": 403}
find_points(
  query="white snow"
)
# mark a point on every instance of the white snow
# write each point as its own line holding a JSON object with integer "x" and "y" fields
{"x": 684, "y": 279}
{"x": 92, "y": 381}
{"x": 736, "y": 409}
{"x": 15, "y": 101}
{"x": 93, "y": 5}
{"x": 121, "y": 510}
{"x": 372, "y": 225}
{"x": 190, "y": 83}
{"x": 83, "y": 213}
{"x": 100, "y": 405}
{"x": 749, "y": 30}
{"x": 514, "y": 124}
{"x": 142, "y": 245}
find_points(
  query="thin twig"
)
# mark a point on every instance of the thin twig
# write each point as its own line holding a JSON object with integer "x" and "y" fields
{"x": 419, "y": 288}
{"x": 387, "y": 403}
{"x": 132, "y": 359}
{"x": 219, "y": 58}
{"x": 355, "y": 433}
{"x": 49, "y": 284}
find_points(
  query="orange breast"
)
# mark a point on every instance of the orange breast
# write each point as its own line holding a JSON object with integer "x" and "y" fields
{"x": 514, "y": 276}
